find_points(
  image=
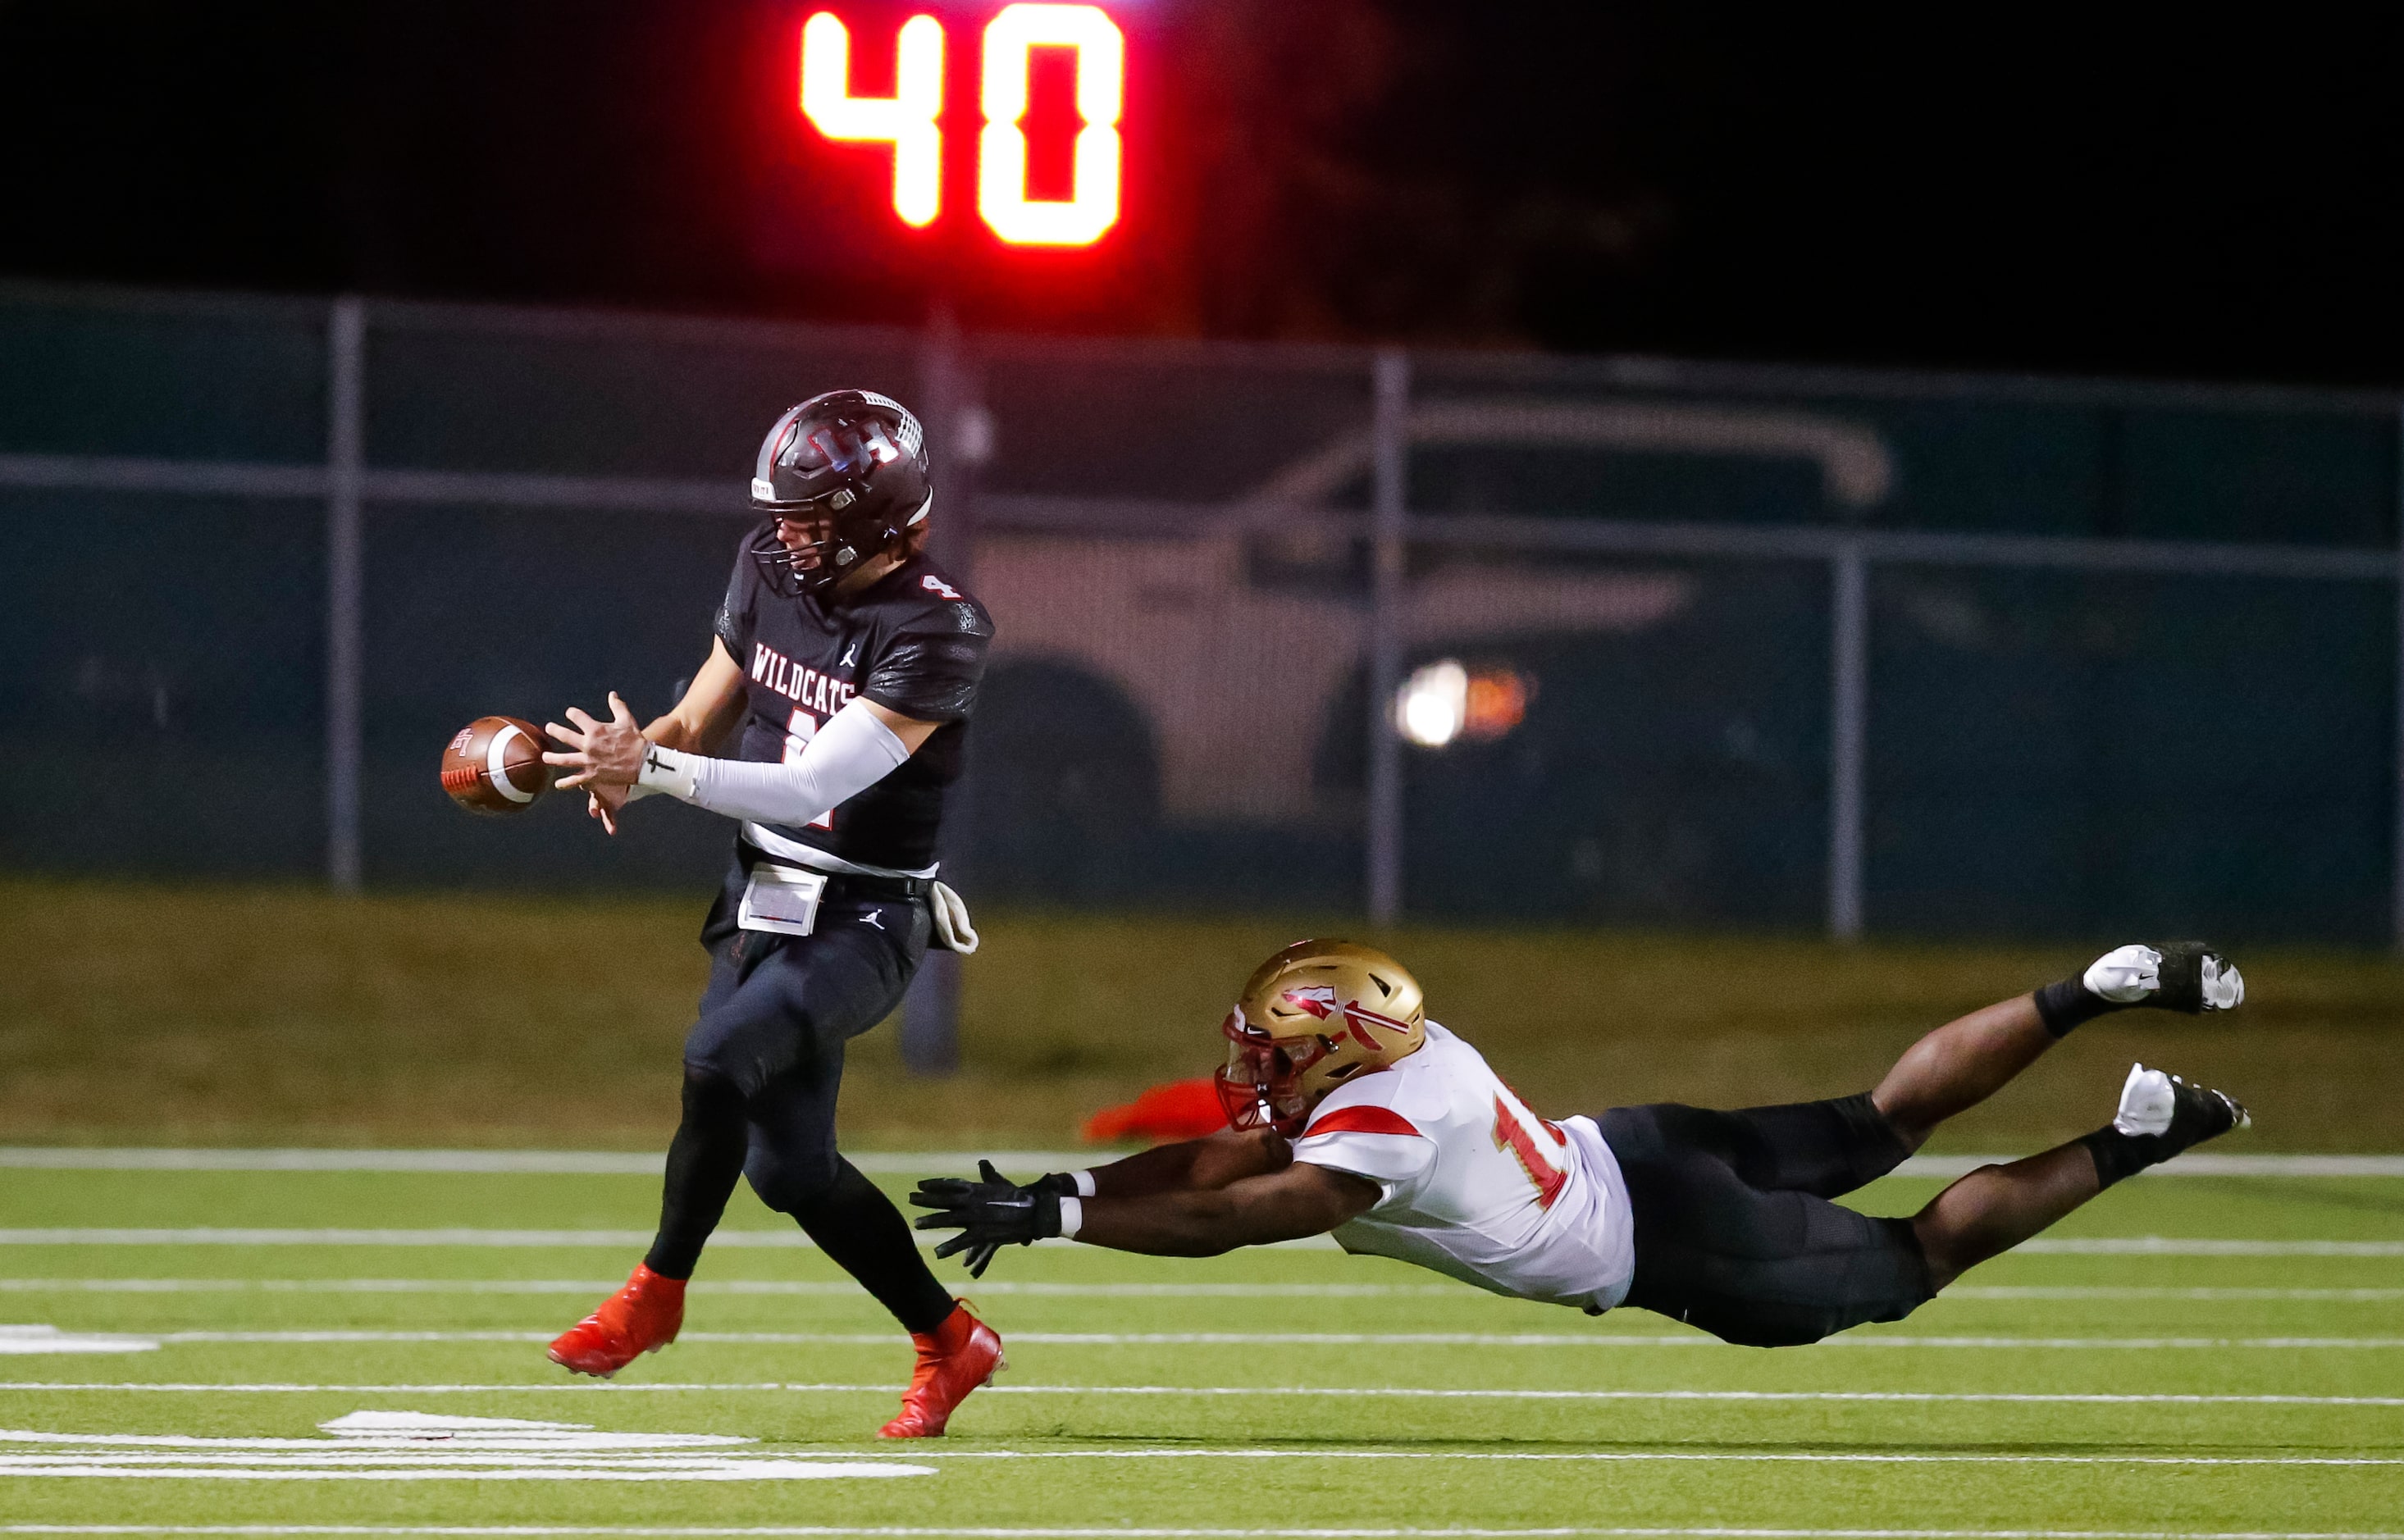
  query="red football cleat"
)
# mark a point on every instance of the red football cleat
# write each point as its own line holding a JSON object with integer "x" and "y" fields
{"x": 642, "y": 1317}
{"x": 954, "y": 1359}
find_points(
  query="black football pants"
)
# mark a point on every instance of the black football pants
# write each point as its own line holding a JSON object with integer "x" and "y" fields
{"x": 1735, "y": 1232}
{"x": 762, "y": 1066}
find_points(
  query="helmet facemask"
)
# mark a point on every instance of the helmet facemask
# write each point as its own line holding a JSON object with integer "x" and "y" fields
{"x": 1261, "y": 1083}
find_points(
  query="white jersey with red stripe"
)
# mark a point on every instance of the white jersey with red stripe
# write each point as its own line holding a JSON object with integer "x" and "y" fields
{"x": 1474, "y": 1185}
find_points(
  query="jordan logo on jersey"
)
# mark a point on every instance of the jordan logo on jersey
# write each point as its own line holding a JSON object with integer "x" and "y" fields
{"x": 821, "y": 693}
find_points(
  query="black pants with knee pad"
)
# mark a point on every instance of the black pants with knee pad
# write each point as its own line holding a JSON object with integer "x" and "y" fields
{"x": 1735, "y": 1232}
{"x": 762, "y": 1066}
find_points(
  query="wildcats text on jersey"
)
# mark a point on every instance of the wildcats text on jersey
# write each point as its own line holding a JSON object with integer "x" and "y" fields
{"x": 805, "y": 661}
{"x": 798, "y": 681}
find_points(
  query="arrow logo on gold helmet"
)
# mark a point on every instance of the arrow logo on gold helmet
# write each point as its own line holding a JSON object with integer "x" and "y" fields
{"x": 1361, "y": 1019}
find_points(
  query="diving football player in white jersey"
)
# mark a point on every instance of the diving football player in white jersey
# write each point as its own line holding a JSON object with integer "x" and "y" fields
{"x": 1352, "y": 1113}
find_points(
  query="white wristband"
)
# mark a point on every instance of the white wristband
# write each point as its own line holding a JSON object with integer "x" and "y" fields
{"x": 670, "y": 770}
{"x": 1072, "y": 1218}
{"x": 1085, "y": 1180}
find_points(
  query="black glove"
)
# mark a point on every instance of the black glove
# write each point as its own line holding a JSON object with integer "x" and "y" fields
{"x": 989, "y": 1213}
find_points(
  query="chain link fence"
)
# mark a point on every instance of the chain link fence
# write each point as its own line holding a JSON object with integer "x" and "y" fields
{"x": 1449, "y": 635}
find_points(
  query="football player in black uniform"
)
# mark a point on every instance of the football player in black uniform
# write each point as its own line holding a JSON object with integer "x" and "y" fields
{"x": 843, "y": 674}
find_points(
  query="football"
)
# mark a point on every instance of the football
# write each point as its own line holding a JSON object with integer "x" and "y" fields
{"x": 495, "y": 765}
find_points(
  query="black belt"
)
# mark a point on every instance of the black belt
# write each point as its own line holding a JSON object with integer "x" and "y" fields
{"x": 843, "y": 884}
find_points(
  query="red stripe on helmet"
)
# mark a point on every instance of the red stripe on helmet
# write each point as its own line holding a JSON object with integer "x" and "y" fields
{"x": 1358, "y": 1119}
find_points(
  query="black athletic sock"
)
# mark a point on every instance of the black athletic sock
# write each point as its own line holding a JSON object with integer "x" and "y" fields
{"x": 2068, "y": 1003}
{"x": 705, "y": 1161}
{"x": 858, "y": 1226}
{"x": 2121, "y": 1154}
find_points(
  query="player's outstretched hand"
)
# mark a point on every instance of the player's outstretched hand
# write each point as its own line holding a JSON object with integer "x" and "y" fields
{"x": 990, "y": 1213}
{"x": 599, "y": 754}
{"x": 606, "y": 803}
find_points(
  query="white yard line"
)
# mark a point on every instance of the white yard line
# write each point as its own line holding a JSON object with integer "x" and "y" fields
{"x": 2106, "y": 1291}
{"x": 904, "y": 1163}
{"x": 931, "y": 1162}
{"x": 1814, "y": 1457}
{"x": 2202, "y": 1163}
{"x": 589, "y": 1387}
{"x": 900, "y": 1531}
{"x": 2160, "y": 1245}
{"x": 206, "y": 1235}
{"x": 1290, "y": 1340}
{"x": 445, "y": 1162}
{"x": 385, "y": 1446}
{"x": 280, "y": 1236}
{"x": 720, "y": 1470}
{"x": 2128, "y": 1245}
{"x": 494, "y": 1162}
{"x": 209, "y": 1235}
{"x": 845, "y": 1289}
{"x": 914, "y": 1531}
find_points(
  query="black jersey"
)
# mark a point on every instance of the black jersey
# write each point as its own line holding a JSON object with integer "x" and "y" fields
{"x": 914, "y": 641}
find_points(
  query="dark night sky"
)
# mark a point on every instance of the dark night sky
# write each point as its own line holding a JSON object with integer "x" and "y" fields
{"x": 1982, "y": 189}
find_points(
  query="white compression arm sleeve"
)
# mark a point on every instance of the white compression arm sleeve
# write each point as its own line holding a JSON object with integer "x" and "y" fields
{"x": 850, "y": 754}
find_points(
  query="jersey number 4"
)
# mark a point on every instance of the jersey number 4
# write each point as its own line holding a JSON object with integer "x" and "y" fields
{"x": 799, "y": 730}
{"x": 1513, "y": 1135}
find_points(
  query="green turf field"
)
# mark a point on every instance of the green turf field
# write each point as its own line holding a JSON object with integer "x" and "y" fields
{"x": 2241, "y": 1373}
{"x": 261, "y": 1015}
{"x": 2250, "y": 1387}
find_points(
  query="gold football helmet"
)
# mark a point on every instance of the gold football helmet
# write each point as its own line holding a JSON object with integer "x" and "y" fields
{"x": 1318, "y": 1014}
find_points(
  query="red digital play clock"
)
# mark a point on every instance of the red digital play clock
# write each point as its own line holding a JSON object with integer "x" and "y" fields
{"x": 1008, "y": 52}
